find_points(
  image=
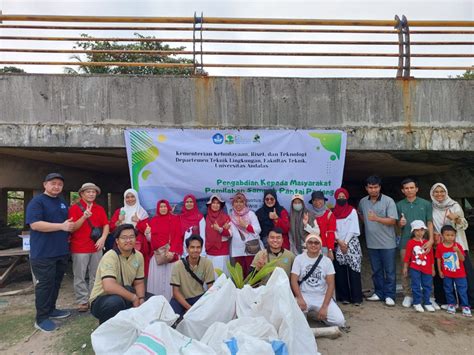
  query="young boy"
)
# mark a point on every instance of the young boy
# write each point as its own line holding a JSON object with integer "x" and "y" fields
{"x": 421, "y": 266}
{"x": 450, "y": 257}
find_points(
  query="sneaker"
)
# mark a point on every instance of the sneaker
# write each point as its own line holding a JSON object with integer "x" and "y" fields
{"x": 451, "y": 309}
{"x": 407, "y": 302}
{"x": 374, "y": 297}
{"x": 389, "y": 302}
{"x": 357, "y": 304}
{"x": 466, "y": 312}
{"x": 59, "y": 314}
{"x": 444, "y": 306}
{"x": 46, "y": 326}
{"x": 434, "y": 304}
{"x": 429, "y": 308}
{"x": 418, "y": 308}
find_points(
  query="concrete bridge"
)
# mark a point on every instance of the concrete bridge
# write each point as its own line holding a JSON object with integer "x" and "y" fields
{"x": 75, "y": 124}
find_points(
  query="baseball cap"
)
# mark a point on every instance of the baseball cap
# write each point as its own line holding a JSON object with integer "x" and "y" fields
{"x": 52, "y": 176}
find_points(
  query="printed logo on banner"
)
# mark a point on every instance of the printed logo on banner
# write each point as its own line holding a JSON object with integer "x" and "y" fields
{"x": 218, "y": 138}
{"x": 256, "y": 138}
{"x": 229, "y": 138}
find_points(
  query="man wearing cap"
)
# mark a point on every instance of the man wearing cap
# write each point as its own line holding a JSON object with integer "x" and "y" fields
{"x": 274, "y": 251}
{"x": 119, "y": 282}
{"x": 312, "y": 283}
{"x": 46, "y": 214}
{"x": 86, "y": 252}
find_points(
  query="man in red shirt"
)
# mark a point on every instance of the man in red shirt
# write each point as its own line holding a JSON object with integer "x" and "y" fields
{"x": 86, "y": 252}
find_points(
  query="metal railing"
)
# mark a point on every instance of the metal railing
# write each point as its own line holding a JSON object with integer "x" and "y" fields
{"x": 206, "y": 35}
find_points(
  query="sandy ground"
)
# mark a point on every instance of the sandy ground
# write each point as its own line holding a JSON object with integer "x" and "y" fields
{"x": 374, "y": 328}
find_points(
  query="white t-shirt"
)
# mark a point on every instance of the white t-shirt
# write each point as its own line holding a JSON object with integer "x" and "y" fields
{"x": 316, "y": 283}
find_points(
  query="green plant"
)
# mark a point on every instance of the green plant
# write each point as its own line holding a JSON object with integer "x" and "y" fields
{"x": 237, "y": 274}
{"x": 16, "y": 219}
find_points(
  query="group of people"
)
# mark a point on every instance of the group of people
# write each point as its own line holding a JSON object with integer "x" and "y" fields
{"x": 176, "y": 254}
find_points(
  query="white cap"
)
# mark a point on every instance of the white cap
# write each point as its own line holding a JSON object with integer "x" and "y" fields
{"x": 417, "y": 225}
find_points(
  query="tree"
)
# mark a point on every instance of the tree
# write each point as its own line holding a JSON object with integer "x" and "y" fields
{"x": 128, "y": 57}
{"x": 11, "y": 70}
{"x": 468, "y": 74}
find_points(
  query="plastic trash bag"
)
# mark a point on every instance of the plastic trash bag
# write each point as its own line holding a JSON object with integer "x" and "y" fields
{"x": 159, "y": 338}
{"x": 117, "y": 334}
{"x": 216, "y": 305}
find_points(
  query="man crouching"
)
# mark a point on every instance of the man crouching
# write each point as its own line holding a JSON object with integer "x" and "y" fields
{"x": 189, "y": 276}
{"x": 119, "y": 282}
{"x": 312, "y": 283}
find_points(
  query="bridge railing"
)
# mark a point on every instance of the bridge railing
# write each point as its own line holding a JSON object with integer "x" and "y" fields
{"x": 212, "y": 43}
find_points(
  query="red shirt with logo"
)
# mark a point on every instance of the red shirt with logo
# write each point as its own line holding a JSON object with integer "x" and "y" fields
{"x": 80, "y": 240}
{"x": 451, "y": 265}
{"x": 417, "y": 258}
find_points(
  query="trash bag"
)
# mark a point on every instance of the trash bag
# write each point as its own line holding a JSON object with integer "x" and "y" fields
{"x": 241, "y": 336}
{"x": 246, "y": 299}
{"x": 216, "y": 305}
{"x": 276, "y": 303}
{"x": 117, "y": 334}
{"x": 160, "y": 338}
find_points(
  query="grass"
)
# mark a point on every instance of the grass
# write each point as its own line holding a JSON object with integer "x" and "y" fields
{"x": 76, "y": 332}
{"x": 15, "y": 327}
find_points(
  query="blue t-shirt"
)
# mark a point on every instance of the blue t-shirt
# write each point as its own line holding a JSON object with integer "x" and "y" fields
{"x": 47, "y": 244}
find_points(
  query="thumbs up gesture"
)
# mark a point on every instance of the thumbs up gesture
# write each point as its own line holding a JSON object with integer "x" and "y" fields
{"x": 67, "y": 225}
{"x": 135, "y": 217}
{"x": 147, "y": 229}
{"x": 305, "y": 218}
{"x": 403, "y": 220}
{"x": 273, "y": 214}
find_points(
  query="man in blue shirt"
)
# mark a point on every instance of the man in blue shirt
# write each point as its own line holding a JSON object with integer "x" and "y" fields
{"x": 46, "y": 214}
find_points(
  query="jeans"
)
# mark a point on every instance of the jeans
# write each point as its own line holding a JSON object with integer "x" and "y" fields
{"x": 382, "y": 262}
{"x": 419, "y": 282}
{"x": 461, "y": 287}
{"x": 49, "y": 274}
{"x": 178, "y": 308}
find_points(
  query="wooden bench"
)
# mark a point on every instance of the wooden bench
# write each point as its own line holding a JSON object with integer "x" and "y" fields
{"x": 17, "y": 255}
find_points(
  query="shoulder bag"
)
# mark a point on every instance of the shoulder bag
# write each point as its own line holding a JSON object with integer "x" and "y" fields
{"x": 96, "y": 232}
{"x": 305, "y": 277}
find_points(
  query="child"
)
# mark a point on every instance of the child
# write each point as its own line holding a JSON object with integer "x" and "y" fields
{"x": 450, "y": 257}
{"x": 421, "y": 267}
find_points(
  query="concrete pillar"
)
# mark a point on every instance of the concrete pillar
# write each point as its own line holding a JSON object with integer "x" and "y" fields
{"x": 27, "y": 196}
{"x": 3, "y": 206}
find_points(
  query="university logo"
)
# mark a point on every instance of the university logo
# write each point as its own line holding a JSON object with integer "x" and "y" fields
{"x": 218, "y": 138}
{"x": 229, "y": 139}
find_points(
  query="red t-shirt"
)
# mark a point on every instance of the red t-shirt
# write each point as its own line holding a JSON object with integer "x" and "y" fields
{"x": 417, "y": 258}
{"x": 80, "y": 241}
{"x": 327, "y": 228}
{"x": 451, "y": 265}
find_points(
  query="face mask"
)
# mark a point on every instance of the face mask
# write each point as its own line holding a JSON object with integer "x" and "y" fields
{"x": 341, "y": 201}
{"x": 297, "y": 206}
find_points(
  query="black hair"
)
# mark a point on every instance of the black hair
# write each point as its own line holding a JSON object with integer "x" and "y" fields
{"x": 373, "y": 180}
{"x": 122, "y": 228}
{"x": 194, "y": 237}
{"x": 277, "y": 230}
{"x": 408, "y": 180}
{"x": 448, "y": 227}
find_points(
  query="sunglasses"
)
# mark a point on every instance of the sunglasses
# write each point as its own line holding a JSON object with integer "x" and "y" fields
{"x": 269, "y": 199}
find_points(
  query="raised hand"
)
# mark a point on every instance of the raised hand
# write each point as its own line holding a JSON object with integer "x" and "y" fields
{"x": 121, "y": 217}
{"x": 305, "y": 218}
{"x": 135, "y": 218}
{"x": 403, "y": 221}
{"x": 273, "y": 214}
{"x": 226, "y": 226}
{"x": 242, "y": 223}
{"x": 147, "y": 229}
{"x": 216, "y": 227}
{"x": 88, "y": 212}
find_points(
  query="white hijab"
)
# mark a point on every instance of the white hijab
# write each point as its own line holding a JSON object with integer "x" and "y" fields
{"x": 131, "y": 210}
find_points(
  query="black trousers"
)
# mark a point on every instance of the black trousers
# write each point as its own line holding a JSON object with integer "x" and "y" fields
{"x": 49, "y": 273}
{"x": 348, "y": 283}
{"x": 438, "y": 283}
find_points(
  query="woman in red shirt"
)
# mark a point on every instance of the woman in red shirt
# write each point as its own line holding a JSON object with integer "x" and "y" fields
{"x": 133, "y": 213}
{"x": 192, "y": 221}
{"x": 167, "y": 244}
{"x": 217, "y": 233}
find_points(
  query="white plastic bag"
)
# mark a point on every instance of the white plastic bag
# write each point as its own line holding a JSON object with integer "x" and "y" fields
{"x": 216, "y": 305}
{"x": 276, "y": 303}
{"x": 117, "y": 334}
{"x": 251, "y": 335}
{"x": 159, "y": 338}
{"x": 246, "y": 299}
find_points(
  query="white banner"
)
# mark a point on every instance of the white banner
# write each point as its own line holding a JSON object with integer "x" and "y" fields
{"x": 170, "y": 163}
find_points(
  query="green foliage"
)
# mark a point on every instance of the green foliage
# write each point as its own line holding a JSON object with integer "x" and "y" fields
{"x": 128, "y": 57}
{"x": 237, "y": 275}
{"x": 16, "y": 219}
{"x": 11, "y": 70}
{"x": 76, "y": 332}
{"x": 468, "y": 75}
{"x": 16, "y": 326}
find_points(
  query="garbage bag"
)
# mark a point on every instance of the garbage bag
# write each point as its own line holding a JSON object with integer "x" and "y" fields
{"x": 216, "y": 305}
{"x": 159, "y": 338}
{"x": 117, "y": 334}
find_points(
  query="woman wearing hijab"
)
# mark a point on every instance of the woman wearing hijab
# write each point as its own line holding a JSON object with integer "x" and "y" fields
{"x": 298, "y": 229}
{"x": 217, "y": 233}
{"x": 325, "y": 220}
{"x": 271, "y": 215}
{"x": 166, "y": 238}
{"x": 245, "y": 231}
{"x": 192, "y": 221}
{"x": 447, "y": 211}
{"x": 348, "y": 252}
{"x": 133, "y": 213}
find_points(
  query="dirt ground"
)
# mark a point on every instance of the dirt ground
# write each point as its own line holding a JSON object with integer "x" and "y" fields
{"x": 374, "y": 328}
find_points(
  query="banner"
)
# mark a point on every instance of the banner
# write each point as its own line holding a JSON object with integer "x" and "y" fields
{"x": 170, "y": 163}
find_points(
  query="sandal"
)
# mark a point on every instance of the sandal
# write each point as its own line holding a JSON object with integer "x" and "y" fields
{"x": 83, "y": 307}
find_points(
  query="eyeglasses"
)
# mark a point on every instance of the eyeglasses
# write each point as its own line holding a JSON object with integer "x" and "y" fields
{"x": 126, "y": 239}
{"x": 312, "y": 242}
{"x": 269, "y": 199}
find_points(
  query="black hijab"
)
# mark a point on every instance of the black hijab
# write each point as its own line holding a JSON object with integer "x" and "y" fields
{"x": 263, "y": 215}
